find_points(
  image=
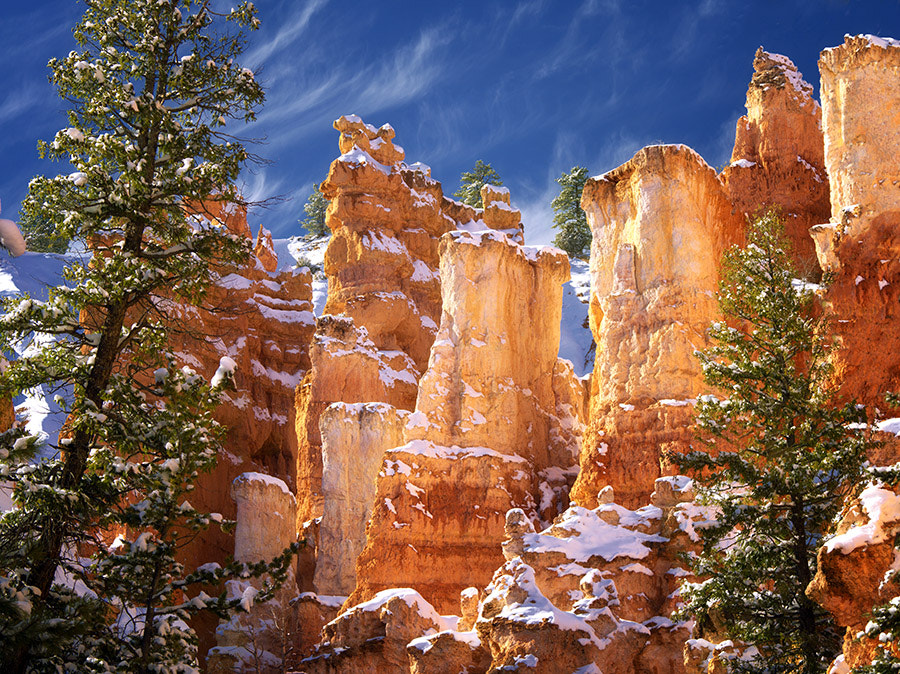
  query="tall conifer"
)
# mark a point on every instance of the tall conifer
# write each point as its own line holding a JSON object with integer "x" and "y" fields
{"x": 153, "y": 92}
{"x": 781, "y": 459}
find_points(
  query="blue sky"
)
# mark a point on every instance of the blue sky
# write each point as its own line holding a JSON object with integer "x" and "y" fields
{"x": 534, "y": 87}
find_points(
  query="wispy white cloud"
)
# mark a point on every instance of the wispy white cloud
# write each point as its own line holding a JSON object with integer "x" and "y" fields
{"x": 22, "y": 100}
{"x": 297, "y": 109}
{"x": 291, "y": 29}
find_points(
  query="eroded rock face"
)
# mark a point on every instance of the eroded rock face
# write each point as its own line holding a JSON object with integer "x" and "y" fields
{"x": 385, "y": 218}
{"x": 778, "y": 158}
{"x": 266, "y": 512}
{"x": 495, "y": 427}
{"x": 660, "y": 224}
{"x": 851, "y": 576}
{"x": 347, "y": 367}
{"x": 861, "y": 244}
{"x": 354, "y": 439}
{"x": 263, "y": 320}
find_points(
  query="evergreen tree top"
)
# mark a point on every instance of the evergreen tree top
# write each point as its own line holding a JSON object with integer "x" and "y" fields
{"x": 471, "y": 182}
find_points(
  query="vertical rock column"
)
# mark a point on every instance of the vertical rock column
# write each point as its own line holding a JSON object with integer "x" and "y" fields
{"x": 778, "y": 158}
{"x": 383, "y": 289}
{"x": 485, "y": 423}
{"x": 861, "y": 244}
{"x": 660, "y": 223}
{"x": 266, "y": 513}
{"x": 354, "y": 439}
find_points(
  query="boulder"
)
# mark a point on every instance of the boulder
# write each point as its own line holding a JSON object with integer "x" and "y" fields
{"x": 371, "y": 638}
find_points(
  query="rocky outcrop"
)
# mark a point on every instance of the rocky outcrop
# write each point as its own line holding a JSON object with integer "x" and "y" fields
{"x": 593, "y": 592}
{"x": 853, "y": 569}
{"x": 372, "y": 638}
{"x": 347, "y": 367}
{"x": 860, "y": 245}
{"x": 264, "y": 249}
{"x": 263, "y": 320}
{"x": 778, "y": 158}
{"x": 660, "y": 224}
{"x": 385, "y": 220}
{"x": 354, "y": 439}
{"x": 610, "y": 571}
{"x": 496, "y": 424}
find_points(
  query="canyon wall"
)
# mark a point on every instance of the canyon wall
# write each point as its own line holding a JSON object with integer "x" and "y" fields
{"x": 381, "y": 262}
{"x": 495, "y": 425}
{"x": 263, "y": 320}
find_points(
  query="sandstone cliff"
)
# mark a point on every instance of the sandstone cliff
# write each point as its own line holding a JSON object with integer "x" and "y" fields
{"x": 496, "y": 424}
{"x": 860, "y": 246}
{"x": 381, "y": 262}
{"x": 263, "y": 320}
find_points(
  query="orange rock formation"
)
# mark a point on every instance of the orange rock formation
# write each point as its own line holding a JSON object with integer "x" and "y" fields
{"x": 381, "y": 262}
{"x": 860, "y": 245}
{"x": 778, "y": 158}
{"x": 660, "y": 224}
{"x": 495, "y": 426}
{"x": 263, "y": 320}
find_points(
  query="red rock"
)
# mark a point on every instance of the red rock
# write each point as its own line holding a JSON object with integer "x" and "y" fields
{"x": 778, "y": 158}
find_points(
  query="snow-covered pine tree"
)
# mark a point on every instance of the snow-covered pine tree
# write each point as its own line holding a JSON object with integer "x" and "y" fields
{"x": 314, "y": 222}
{"x": 574, "y": 235}
{"x": 471, "y": 182}
{"x": 782, "y": 458}
{"x": 151, "y": 92}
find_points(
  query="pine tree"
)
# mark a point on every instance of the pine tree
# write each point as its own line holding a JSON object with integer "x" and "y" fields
{"x": 471, "y": 182}
{"x": 783, "y": 457}
{"x": 574, "y": 235}
{"x": 314, "y": 222}
{"x": 152, "y": 92}
{"x": 42, "y": 236}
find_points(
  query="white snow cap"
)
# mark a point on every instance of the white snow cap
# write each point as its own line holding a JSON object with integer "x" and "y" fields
{"x": 11, "y": 238}
{"x": 226, "y": 367}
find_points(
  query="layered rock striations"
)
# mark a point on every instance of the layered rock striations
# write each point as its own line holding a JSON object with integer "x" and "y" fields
{"x": 778, "y": 158}
{"x": 496, "y": 424}
{"x": 346, "y": 367}
{"x": 860, "y": 244}
{"x": 660, "y": 224}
